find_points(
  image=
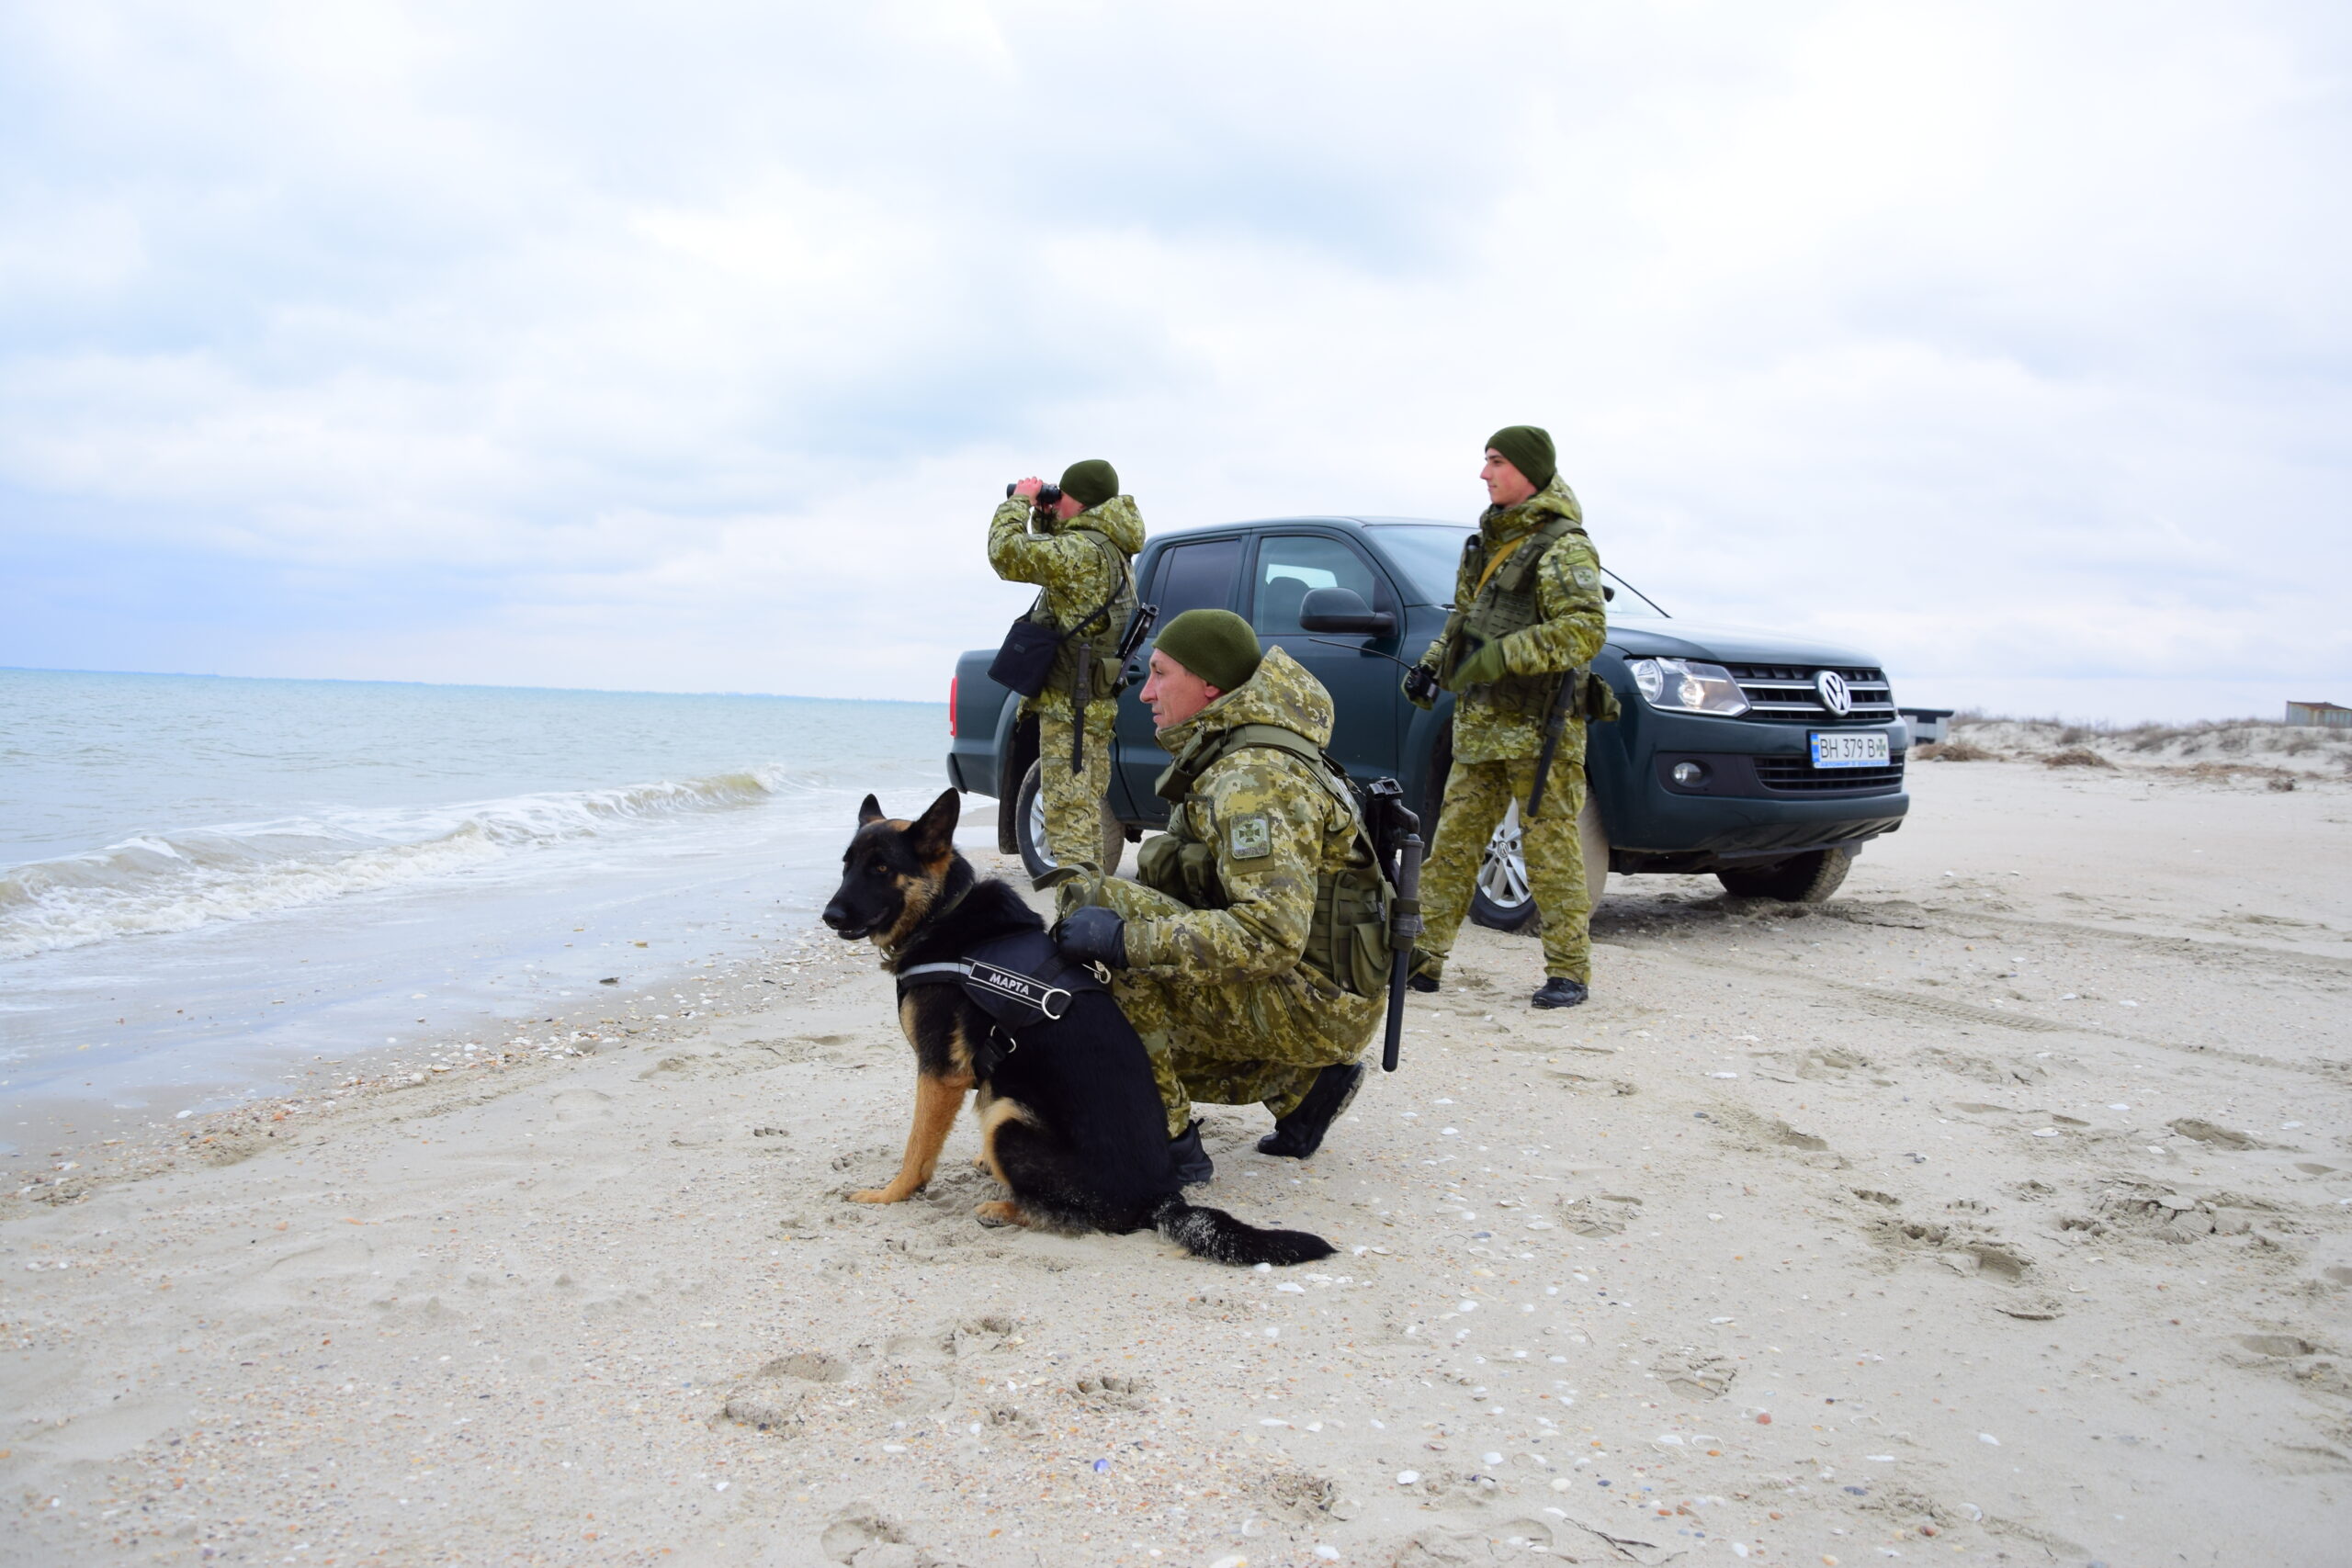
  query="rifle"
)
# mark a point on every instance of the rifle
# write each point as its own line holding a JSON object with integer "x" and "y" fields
{"x": 1082, "y": 680}
{"x": 1399, "y": 844}
{"x": 1554, "y": 723}
{"x": 1139, "y": 625}
{"x": 1082, "y": 686}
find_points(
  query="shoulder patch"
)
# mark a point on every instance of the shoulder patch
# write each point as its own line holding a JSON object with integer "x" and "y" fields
{"x": 1250, "y": 836}
{"x": 1587, "y": 578}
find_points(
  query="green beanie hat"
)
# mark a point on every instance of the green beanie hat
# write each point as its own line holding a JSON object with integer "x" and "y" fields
{"x": 1527, "y": 447}
{"x": 1093, "y": 481}
{"x": 1216, "y": 645}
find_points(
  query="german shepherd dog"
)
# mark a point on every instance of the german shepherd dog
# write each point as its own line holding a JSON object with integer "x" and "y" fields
{"x": 1069, "y": 1120}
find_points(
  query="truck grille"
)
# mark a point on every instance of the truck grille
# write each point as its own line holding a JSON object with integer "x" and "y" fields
{"x": 1784, "y": 693}
{"x": 1797, "y": 776}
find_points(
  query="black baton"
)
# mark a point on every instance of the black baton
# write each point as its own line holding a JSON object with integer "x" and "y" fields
{"x": 1555, "y": 722}
{"x": 1402, "y": 828}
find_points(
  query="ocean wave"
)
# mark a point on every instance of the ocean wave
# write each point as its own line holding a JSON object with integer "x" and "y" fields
{"x": 179, "y": 881}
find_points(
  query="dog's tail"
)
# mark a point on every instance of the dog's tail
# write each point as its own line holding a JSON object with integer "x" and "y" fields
{"x": 1214, "y": 1234}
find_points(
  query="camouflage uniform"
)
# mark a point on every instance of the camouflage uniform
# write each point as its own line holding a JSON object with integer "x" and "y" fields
{"x": 1215, "y": 981}
{"x": 1495, "y": 752}
{"x": 1073, "y": 574}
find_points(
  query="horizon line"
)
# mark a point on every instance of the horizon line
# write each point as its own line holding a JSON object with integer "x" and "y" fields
{"x": 459, "y": 685}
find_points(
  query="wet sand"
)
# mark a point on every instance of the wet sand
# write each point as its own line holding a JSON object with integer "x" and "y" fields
{"x": 1998, "y": 1211}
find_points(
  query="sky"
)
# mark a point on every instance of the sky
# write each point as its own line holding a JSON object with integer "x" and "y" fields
{"x": 689, "y": 347}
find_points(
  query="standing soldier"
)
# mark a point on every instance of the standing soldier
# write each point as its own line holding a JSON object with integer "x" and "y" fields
{"x": 1528, "y": 616}
{"x": 1081, "y": 557}
{"x": 1237, "y": 953}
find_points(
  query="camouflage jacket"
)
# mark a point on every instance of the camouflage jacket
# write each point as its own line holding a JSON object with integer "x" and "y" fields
{"x": 1575, "y": 622}
{"x": 1266, "y": 827}
{"x": 1073, "y": 574}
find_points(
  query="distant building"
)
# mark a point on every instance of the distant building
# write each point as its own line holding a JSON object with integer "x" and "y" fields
{"x": 2334, "y": 715}
{"x": 1928, "y": 725}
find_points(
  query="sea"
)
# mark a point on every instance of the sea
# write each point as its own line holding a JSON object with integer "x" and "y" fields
{"x": 207, "y": 882}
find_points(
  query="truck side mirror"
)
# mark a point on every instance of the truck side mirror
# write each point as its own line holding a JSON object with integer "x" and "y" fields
{"x": 1342, "y": 610}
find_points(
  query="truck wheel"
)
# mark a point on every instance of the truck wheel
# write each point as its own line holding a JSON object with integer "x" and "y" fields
{"x": 1501, "y": 899}
{"x": 1804, "y": 879}
{"x": 1029, "y": 827}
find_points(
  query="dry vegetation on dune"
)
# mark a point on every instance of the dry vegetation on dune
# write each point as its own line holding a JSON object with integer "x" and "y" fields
{"x": 2279, "y": 755}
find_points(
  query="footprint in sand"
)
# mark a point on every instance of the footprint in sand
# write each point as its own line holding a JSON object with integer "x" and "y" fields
{"x": 775, "y": 1398}
{"x": 2216, "y": 1135}
{"x": 855, "y": 1531}
{"x": 1110, "y": 1390}
{"x": 581, "y": 1107}
{"x": 1784, "y": 1134}
{"x": 298, "y": 1276}
{"x": 977, "y": 1336}
{"x": 1697, "y": 1376}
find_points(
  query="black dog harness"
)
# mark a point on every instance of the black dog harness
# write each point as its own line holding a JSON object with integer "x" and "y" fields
{"x": 1020, "y": 981}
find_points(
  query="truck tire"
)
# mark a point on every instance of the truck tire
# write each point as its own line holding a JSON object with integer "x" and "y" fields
{"x": 1029, "y": 827}
{"x": 1501, "y": 899}
{"x": 1807, "y": 878}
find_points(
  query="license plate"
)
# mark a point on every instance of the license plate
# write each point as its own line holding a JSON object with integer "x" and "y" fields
{"x": 1850, "y": 750}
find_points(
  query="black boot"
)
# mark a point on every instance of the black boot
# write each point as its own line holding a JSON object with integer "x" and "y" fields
{"x": 1187, "y": 1161}
{"x": 1559, "y": 991}
{"x": 1421, "y": 974}
{"x": 1300, "y": 1133}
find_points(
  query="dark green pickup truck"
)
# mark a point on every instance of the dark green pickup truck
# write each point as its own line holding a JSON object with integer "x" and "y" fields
{"x": 1764, "y": 759}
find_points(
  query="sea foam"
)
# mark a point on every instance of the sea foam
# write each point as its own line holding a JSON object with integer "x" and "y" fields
{"x": 182, "y": 880}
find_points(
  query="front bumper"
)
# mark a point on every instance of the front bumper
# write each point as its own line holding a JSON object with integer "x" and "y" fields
{"x": 1761, "y": 799}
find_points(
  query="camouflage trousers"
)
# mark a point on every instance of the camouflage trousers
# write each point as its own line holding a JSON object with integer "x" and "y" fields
{"x": 1073, "y": 799}
{"x": 1477, "y": 794}
{"x": 1254, "y": 1041}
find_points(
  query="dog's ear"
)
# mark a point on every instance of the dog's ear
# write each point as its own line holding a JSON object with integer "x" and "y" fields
{"x": 869, "y": 812}
{"x": 933, "y": 834}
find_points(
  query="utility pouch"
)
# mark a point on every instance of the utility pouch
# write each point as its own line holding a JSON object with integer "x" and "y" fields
{"x": 1185, "y": 872}
{"x": 1347, "y": 939}
{"x": 1107, "y": 682}
{"x": 1598, "y": 702}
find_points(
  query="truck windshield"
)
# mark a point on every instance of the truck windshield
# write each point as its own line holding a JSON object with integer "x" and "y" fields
{"x": 1428, "y": 553}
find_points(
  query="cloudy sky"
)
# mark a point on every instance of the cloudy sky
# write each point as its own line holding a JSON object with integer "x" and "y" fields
{"x": 687, "y": 347}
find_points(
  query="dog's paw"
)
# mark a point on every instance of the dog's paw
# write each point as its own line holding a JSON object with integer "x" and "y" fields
{"x": 877, "y": 1195}
{"x": 997, "y": 1211}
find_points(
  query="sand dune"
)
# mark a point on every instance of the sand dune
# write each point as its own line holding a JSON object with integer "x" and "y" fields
{"x": 1999, "y": 1211}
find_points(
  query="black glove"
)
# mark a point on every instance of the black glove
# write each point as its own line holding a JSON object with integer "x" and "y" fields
{"x": 1094, "y": 935}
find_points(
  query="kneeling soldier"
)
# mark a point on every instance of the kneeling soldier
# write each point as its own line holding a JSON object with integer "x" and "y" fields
{"x": 1236, "y": 956}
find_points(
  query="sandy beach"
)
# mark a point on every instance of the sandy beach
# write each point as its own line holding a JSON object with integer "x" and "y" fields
{"x": 1999, "y": 1211}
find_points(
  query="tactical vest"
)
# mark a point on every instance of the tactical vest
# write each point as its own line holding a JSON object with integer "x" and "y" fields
{"x": 1100, "y": 627}
{"x": 1347, "y": 939}
{"x": 1507, "y": 603}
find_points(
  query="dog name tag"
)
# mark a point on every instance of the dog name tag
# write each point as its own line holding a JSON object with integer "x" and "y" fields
{"x": 990, "y": 980}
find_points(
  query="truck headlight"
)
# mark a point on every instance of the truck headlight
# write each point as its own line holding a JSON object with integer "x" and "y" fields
{"x": 1689, "y": 685}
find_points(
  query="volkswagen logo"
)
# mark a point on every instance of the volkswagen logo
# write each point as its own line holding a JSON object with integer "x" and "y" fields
{"x": 1831, "y": 686}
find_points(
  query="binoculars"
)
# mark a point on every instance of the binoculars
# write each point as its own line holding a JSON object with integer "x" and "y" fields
{"x": 1045, "y": 500}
